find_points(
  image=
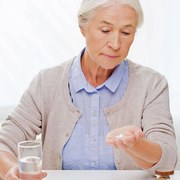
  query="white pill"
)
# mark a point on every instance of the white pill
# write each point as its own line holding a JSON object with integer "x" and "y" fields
{"x": 120, "y": 136}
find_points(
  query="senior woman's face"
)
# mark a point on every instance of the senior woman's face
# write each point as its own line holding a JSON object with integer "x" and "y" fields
{"x": 109, "y": 35}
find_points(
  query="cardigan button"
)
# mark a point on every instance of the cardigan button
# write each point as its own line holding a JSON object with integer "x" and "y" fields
{"x": 108, "y": 113}
{"x": 118, "y": 162}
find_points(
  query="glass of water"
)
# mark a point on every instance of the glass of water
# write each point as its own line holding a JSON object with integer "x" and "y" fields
{"x": 164, "y": 173}
{"x": 30, "y": 160}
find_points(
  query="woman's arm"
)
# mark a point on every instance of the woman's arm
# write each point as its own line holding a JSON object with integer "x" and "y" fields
{"x": 145, "y": 153}
{"x": 7, "y": 161}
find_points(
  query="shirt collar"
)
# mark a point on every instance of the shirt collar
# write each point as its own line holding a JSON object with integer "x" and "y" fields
{"x": 79, "y": 81}
{"x": 116, "y": 77}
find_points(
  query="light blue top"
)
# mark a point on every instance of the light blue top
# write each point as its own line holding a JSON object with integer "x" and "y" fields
{"x": 86, "y": 148}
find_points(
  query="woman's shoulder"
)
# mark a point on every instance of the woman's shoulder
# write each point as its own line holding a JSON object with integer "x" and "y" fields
{"x": 145, "y": 77}
{"x": 57, "y": 70}
{"x": 50, "y": 78}
{"x": 138, "y": 70}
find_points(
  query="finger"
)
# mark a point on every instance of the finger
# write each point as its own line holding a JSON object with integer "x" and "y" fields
{"x": 109, "y": 140}
{"x": 12, "y": 174}
{"x": 129, "y": 141}
{"x": 14, "y": 178}
{"x": 128, "y": 133}
{"x": 35, "y": 176}
{"x": 119, "y": 142}
{"x": 112, "y": 142}
{"x": 139, "y": 135}
{"x": 44, "y": 174}
{"x": 11, "y": 177}
{"x": 121, "y": 145}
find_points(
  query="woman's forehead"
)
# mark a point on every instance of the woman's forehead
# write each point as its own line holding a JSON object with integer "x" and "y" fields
{"x": 115, "y": 14}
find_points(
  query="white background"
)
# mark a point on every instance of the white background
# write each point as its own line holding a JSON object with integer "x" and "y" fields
{"x": 36, "y": 34}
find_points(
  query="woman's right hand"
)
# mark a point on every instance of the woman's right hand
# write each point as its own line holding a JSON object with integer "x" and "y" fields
{"x": 13, "y": 174}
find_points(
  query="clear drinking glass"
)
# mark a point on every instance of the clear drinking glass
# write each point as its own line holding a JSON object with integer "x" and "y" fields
{"x": 30, "y": 160}
{"x": 164, "y": 173}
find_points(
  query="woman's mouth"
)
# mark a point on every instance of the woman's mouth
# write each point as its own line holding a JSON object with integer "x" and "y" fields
{"x": 111, "y": 56}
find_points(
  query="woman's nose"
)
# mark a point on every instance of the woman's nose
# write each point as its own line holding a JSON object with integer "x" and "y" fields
{"x": 114, "y": 41}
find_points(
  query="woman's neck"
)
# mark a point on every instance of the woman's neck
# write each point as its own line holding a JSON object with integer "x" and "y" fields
{"x": 94, "y": 74}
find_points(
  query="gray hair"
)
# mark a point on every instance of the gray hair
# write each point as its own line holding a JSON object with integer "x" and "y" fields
{"x": 89, "y": 6}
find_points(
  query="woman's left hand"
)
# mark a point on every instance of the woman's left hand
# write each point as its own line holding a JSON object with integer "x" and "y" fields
{"x": 124, "y": 137}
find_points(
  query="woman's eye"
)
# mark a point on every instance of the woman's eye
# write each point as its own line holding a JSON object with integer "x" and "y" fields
{"x": 105, "y": 31}
{"x": 126, "y": 33}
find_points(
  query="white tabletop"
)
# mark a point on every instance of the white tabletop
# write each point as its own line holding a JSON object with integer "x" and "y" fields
{"x": 103, "y": 175}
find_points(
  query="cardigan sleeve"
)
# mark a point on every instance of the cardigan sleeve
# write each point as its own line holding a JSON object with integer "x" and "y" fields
{"x": 24, "y": 123}
{"x": 157, "y": 123}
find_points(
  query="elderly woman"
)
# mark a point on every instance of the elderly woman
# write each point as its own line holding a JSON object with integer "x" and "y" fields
{"x": 99, "y": 110}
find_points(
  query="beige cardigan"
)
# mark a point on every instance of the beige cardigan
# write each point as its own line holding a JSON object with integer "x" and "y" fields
{"x": 46, "y": 108}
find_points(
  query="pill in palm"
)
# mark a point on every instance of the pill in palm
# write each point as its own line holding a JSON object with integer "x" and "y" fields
{"x": 120, "y": 136}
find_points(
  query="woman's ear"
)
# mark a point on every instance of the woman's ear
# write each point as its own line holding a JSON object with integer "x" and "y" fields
{"x": 82, "y": 30}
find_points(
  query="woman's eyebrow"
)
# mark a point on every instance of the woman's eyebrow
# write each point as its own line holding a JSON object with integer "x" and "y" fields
{"x": 129, "y": 25}
{"x": 105, "y": 22}
{"x": 126, "y": 26}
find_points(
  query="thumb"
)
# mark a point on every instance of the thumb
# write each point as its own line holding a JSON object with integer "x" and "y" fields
{"x": 44, "y": 174}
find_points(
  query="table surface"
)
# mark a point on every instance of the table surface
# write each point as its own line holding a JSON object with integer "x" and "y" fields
{"x": 103, "y": 175}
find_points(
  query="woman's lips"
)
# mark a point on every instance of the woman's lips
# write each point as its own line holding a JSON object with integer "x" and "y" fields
{"x": 111, "y": 56}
